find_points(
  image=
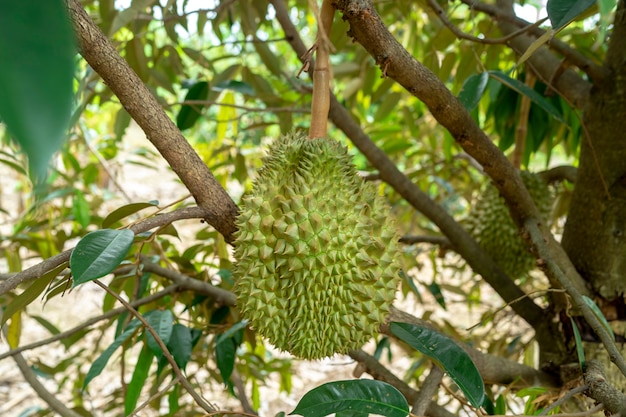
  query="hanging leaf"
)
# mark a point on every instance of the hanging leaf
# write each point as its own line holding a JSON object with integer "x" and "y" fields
{"x": 37, "y": 51}
{"x": 523, "y": 89}
{"x": 102, "y": 360}
{"x": 562, "y": 12}
{"x": 33, "y": 291}
{"x": 360, "y": 395}
{"x": 125, "y": 211}
{"x": 99, "y": 253}
{"x": 190, "y": 113}
{"x": 580, "y": 349}
{"x": 162, "y": 321}
{"x": 447, "y": 354}
{"x": 598, "y": 313}
{"x": 138, "y": 380}
{"x": 473, "y": 89}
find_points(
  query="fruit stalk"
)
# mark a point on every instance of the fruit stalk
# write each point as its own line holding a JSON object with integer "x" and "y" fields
{"x": 320, "y": 103}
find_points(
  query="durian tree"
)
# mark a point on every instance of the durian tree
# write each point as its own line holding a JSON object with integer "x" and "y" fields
{"x": 472, "y": 167}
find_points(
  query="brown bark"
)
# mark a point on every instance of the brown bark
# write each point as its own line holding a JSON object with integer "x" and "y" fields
{"x": 595, "y": 233}
{"x": 143, "y": 107}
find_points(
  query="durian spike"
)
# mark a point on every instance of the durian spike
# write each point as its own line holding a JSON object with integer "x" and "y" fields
{"x": 320, "y": 103}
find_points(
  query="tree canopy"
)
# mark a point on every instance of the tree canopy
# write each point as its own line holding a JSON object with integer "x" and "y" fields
{"x": 492, "y": 133}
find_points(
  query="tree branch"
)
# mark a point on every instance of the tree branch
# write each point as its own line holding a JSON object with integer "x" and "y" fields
{"x": 593, "y": 70}
{"x": 46, "y": 265}
{"x": 463, "y": 243}
{"x": 101, "y": 55}
{"x": 602, "y": 391}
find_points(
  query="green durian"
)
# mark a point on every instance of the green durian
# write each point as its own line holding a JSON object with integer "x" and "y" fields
{"x": 316, "y": 250}
{"x": 490, "y": 223}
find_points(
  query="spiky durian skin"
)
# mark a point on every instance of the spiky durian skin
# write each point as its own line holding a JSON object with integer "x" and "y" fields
{"x": 316, "y": 269}
{"x": 490, "y": 223}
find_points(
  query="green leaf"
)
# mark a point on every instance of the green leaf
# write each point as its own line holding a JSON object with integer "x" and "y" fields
{"x": 473, "y": 89}
{"x": 236, "y": 86}
{"x": 125, "y": 211}
{"x": 534, "y": 96}
{"x": 162, "y": 321}
{"x": 225, "y": 353}
{"x": 190, "y": 113}
{"x": 102, "y": 360}
{"x": 598, "y": 313}
{"x": 454, "y": 360}
{"x": 362, "y": 395}
{"x": 180, "y": 345}
{"x": 562, "y": 12}
{"x": 580, "y": 350}
{"x": 80, "y": 209}
{"x": 37, "y": 51}
{"x": 138, "y": 380}
{"x": 33, "y": 291}
{"x": 99, "y": 253}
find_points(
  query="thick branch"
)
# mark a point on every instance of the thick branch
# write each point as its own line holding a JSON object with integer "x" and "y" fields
{"x": 101, "y": 55}
{"x": 602, "y": 391}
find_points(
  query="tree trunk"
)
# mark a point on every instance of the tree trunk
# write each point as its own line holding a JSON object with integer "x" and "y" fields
{"x": 595, "y": 233}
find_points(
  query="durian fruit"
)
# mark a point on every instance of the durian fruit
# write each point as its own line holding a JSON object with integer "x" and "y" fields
{"x": 490, "y": 223}
{"x": 316, "y": 268}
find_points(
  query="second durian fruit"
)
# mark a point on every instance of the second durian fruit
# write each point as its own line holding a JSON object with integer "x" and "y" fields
{"x": 316, "y": 269}
{"x": 490, "y": 223}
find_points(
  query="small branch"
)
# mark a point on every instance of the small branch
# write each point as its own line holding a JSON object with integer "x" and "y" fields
{"x": 560, "y": 173}
{"x": 487, "y": 41}
{"x": 241, "y": 393}
{"x": 565, "y": 398}
{"x": 102, "y": 56}
{"x": 186, "y": 282}
{"x": 55, "y": 404}
{"x": 179, "y": 375}
{"x": 428, "y": 390}
{"x": 594, "y": 71}
{"x": 90, "y": 322}
{"x": 435, "y": 240}
{"x": 46, "y": 265}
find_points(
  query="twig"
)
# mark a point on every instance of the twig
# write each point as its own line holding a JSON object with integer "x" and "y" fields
{"x": 46, "y": 265}
{"x": 320, "y": 102}
{"x": 153, "y": 397}
{"x": 30, "y": 377}
{"x": 90, "y": 322}
{"x": 593, "y": 70}
{"x": 435, "y": 240}
{"x": 241, "y": 393}
{"x": 186, "y": 282}
{"x": 428, "y": 389}
{"x": 488, "y": 41}
{"x": 565, "y": 398}
{"x": 179, "y": 375}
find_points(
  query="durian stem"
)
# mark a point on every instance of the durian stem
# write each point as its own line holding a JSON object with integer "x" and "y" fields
{"x": 320, "y": 103}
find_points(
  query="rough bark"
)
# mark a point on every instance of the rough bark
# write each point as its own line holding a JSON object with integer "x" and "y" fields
{"x": 595, "y": 233}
